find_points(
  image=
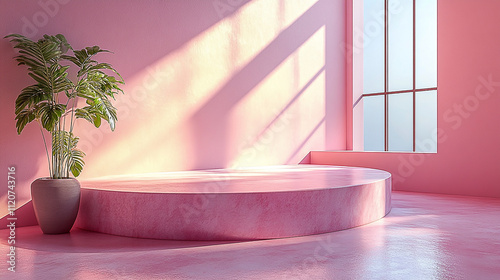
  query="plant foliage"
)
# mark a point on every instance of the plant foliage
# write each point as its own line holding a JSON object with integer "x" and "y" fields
{"x": 53, "y": 98}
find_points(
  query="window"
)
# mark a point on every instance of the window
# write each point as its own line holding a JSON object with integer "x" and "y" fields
{"x": 399, "y": 92}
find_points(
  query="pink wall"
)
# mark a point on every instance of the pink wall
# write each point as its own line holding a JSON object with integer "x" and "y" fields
{"x": 468, "y": 157}
{"x": 210, "y": 84}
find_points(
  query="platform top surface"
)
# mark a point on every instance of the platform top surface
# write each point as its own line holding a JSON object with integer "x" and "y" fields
{"x": 246, "y": 180}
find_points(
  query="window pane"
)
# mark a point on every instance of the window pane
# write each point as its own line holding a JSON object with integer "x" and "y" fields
{"x": 400, "y": 122}
{"x": 426, "y": 121}
{"x": 373, "y": 123}
{"x": 400, "y": 45}
{"x": 373, "y": 46}
{"x": 426, "y": 43}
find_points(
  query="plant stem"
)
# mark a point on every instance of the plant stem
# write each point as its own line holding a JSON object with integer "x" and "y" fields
{"x": 65, "y": 161}
{"x": 45, "y": 144}
{"x": 60, "y": 162}
{"x": 72, "y": 115}
{"x": 54, "y": 157}
{"x": 72, "y": 121}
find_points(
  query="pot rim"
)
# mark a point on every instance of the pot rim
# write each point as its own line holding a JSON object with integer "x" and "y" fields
{"x": 49, "y": 178}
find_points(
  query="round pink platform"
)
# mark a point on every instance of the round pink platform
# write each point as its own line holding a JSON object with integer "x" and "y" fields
{"x": 242, "y": 204}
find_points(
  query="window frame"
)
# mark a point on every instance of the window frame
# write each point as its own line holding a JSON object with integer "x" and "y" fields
{"x": 350, "y": 63}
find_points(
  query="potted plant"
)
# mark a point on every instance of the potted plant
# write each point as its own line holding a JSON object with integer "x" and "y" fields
{"x": 53, "y": 103}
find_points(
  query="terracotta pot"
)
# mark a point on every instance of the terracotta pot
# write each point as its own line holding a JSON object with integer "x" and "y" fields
{"x": 56, "y": 203}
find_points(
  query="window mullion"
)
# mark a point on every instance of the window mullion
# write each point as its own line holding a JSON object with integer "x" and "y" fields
{"x": 414, "y": 75}
{"x": 386, "y": 76}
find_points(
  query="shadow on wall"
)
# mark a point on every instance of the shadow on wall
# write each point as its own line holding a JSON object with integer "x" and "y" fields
{"x": 110, "y": 26}
{"x": 228, "y": 97}
{"x": 209, "y": 84}
{"x": 212, "y": 131}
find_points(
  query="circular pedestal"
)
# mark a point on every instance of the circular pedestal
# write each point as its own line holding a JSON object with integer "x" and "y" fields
{"x": 242, "y": 204}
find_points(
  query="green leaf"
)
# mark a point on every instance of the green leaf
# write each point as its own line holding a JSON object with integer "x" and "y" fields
{"x": 41, "y": 80}
{"x": 91, "y": 114}
{"x": 84, "y": 91}
{"x": 23, "y": 118}
{"x": 64, "y": 147}
{"x": 30, "y": 96}
{"x": 44, "y": 60}
{"x": 97, "y": 121}
{"x": 60, "y": 142}
{"x": 75, "y": 161}
{"x": 72, "y": 59}
{"x": 61, "y": 71}
{"x": 84, "y": 113}
{"x": 65, "y": 46}
{"x": 28, "y": 60}
{"x": 50, "y": 114}
{"x": 81, "y": 55}
{"x": 107, "y": 111}
{"x": 94, "y": 50}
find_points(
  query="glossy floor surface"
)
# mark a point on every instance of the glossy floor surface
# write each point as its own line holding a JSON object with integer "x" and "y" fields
{"x": 424, "y": 237}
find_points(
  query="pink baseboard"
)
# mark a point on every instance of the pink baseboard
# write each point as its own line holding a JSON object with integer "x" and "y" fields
{"x": 246, "y": 204}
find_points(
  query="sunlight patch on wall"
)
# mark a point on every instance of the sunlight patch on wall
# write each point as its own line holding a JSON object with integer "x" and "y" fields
{"x": 258, "y": 23}
{"x": 156, "y": 112}
{"x": 274, "y": 122}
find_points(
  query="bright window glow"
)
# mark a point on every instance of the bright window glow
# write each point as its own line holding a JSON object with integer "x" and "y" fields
{"x": 373, "y": 119}
{"x": 400, "y": 46}
{"x": 426, "y": 44}
{"x": 401, "y": 122}
{"x": 373, "y": 47}
{"x": 400, "y": 75}
{"x": 426, "y": 121}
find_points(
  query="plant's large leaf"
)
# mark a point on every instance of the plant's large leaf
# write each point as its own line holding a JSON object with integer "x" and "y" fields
{"x": 30, "y": 96}
{"x": 40, "y": 101}
{"x": 84, "y": 55}
{"x": 50, "y": 51}
{"x": 97, "y": 120}
{"x": 60, "y": 72}
{"x": 84, "y": 113}
{"x": 96, "y": 88}
{"x": 49, "y": 114}
{"x": 26, "y": 59}
{"x": 89, "y": 113}
{"x": 102, "y": 84}
{"x": 94, "y": 50}
{"x": 72, "y": 59}
{"x": 27, "y": 46}
{"x": 83, "y": 59}
{"x": 64, "y": 45}
{"x": 81, "y": 55}
{"x": 64, "y": 147}
{"x": 42, "y": 57}
{"x": 84, "y": 91}
{"x": 61, "y": 142}
{"x": 107, "y": 111}
{"x": 23, "y": 118}
{"x": 103, "y": 66}
{"x": 42, "y": 79}
{"x": 45, "y": 51}
{"x": 60, "y": 82}
{"x": 75, "y": 161}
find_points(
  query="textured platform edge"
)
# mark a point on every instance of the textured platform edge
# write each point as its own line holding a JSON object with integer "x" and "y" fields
{"x": 233, "y": 216}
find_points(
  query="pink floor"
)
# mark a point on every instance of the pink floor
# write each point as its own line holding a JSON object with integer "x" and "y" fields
{"x": 423, "y": 237}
